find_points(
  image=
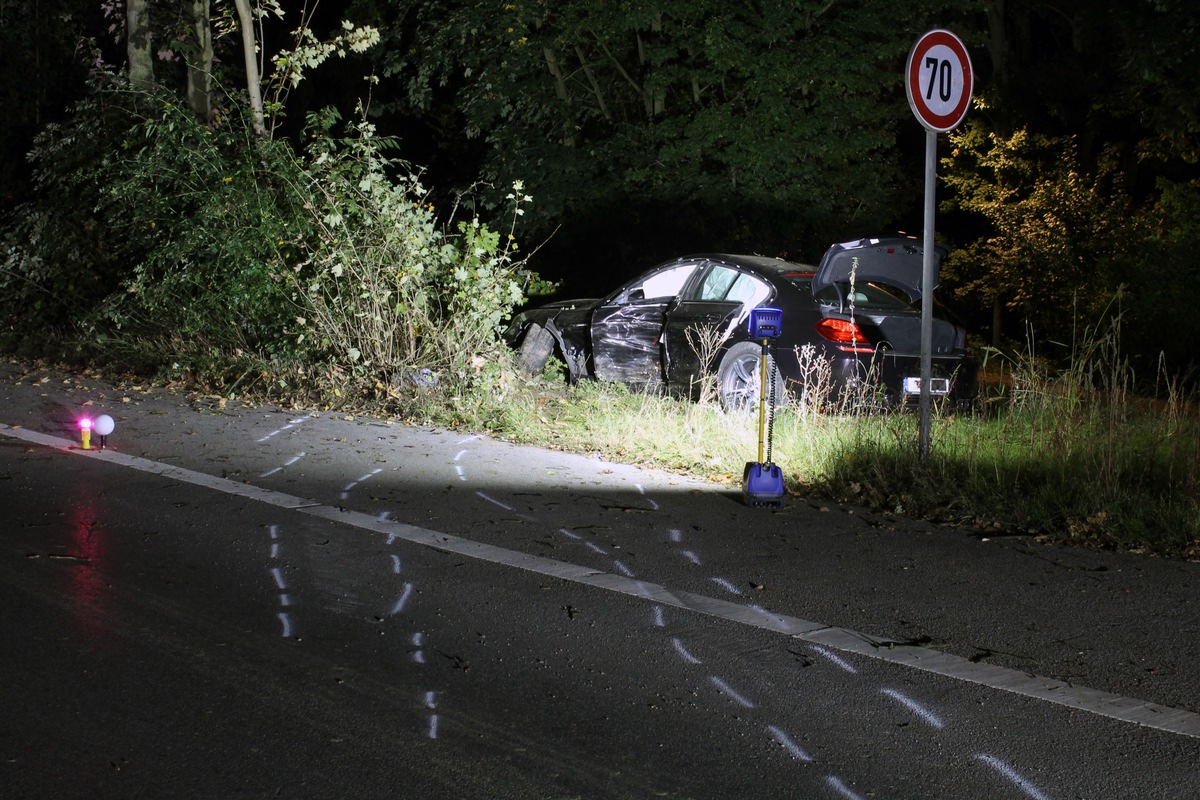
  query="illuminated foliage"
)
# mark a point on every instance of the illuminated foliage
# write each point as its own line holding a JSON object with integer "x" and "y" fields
{"x": 1055, "y": 234}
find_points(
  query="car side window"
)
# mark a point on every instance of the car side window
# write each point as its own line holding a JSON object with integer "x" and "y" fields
{"x": 748, "y": 290}
{"x": 723, "y": 283}
{"x": 716, "y": 283}
{"x": 662, "y": 285}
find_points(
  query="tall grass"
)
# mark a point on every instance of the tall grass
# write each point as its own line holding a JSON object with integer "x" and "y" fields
{"x": 1070, "y": 454}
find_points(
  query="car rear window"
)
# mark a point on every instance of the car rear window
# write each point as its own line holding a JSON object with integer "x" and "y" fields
{"x": 801, "y": 280}
{"x": 867, "y": 296}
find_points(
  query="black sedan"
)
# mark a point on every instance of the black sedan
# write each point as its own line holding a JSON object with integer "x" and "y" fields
{"x": 850, "y": 334}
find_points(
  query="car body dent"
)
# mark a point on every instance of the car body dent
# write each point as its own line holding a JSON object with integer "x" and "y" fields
{"x": 627, "y": 342}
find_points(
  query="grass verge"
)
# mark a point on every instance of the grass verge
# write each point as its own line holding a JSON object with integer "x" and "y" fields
{"x": 1083, "y": 469}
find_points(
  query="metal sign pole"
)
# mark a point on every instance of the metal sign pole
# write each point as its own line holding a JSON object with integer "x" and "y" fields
{"x": 938, "y": 81}
{"x": 928, "y": 279}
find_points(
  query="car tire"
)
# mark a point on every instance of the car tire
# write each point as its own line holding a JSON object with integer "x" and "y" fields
{"x": 739, "y": 378}
{"x": 535, "y": 351}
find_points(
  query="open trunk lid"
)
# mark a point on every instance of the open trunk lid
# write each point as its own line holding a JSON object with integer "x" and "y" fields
{"x": 894, "y": 260}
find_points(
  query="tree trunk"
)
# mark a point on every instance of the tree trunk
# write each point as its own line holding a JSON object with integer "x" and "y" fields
{"x": 200, "y": 64}
{"x": 253, "y": 77}
{"x": 560, "y": 90}
{"x": 997, "y": 322}
{"x": 997, "y": 17}
{"x": 137, "y": 44}
{"x": 591, "y": 77}
{"x": 655, "y": 98}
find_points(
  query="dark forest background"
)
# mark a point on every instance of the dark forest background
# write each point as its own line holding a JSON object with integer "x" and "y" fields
{"x": 646, "y": 130}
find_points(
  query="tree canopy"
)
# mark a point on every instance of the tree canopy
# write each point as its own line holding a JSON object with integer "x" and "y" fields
{"x": 771, "y": 125}
{"x": 645, "y": 130}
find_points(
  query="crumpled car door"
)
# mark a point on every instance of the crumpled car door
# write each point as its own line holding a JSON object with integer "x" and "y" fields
{"x": 626, "y": 328}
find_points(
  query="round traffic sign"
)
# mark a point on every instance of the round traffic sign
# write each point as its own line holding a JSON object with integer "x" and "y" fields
{"x": 939, "y": 80}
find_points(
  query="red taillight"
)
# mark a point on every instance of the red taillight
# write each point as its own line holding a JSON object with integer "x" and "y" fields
{"x": 847, "y": 335}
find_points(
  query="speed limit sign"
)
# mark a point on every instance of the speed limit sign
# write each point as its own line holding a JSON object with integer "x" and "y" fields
{"x": 938, "y": 80}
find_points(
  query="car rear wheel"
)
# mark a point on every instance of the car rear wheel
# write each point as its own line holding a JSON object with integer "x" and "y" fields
{"x": 535, "y": 350}
{"x": 739, "y": 378}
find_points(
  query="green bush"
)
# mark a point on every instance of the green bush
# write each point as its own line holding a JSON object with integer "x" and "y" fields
{"x": 156, "y": 241}
{"x": 385, "y": 289}
{"x": 151, "y": 226}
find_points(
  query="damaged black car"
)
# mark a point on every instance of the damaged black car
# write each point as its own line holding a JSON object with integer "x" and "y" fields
{"x": 851, "y": 330}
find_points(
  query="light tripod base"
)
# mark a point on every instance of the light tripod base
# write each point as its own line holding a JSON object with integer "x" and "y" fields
{"x": 763, "y": 485}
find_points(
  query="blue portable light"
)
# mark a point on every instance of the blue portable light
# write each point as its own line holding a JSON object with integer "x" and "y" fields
{"x": 763, "y": 480}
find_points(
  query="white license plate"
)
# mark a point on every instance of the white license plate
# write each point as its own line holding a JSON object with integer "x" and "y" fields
{"x": 936, "y": 386}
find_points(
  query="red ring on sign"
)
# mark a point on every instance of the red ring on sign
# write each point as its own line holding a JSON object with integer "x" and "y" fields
{"x": 938, "y": 122}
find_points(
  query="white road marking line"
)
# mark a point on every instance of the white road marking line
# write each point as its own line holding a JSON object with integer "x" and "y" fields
{"x": 287, "y": 427}
{"x": 494, "y": 501}
{"x": 912, "y": 705}
{"x": 677, "y": 643}
{"x": 660, "y": 619}
{"x": 1011, "y": 774}
{"x": 649, "y": 500}
{"x": 623, "y": 568}
{"x": 727, "y": 585}
{"x": 842, "y": 789}
{"x": 733, "y": 695}
{"x": 794, "y": 749}
{"x": 1107, "y": 704}
{"x": 835, "y": 658}
{"x": 402, "y": 601}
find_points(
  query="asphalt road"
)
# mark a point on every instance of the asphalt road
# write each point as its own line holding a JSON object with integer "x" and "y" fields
{"x": 251, "y": 602}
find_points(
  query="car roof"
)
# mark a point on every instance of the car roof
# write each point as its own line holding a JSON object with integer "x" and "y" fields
{"x": 757, "y": 263}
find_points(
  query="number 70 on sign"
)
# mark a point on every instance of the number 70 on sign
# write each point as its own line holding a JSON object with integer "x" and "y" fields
{"x": 939, "y": 80}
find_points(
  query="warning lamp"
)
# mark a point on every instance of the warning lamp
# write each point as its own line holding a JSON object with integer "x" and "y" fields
{"x": 104, "y": 426}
